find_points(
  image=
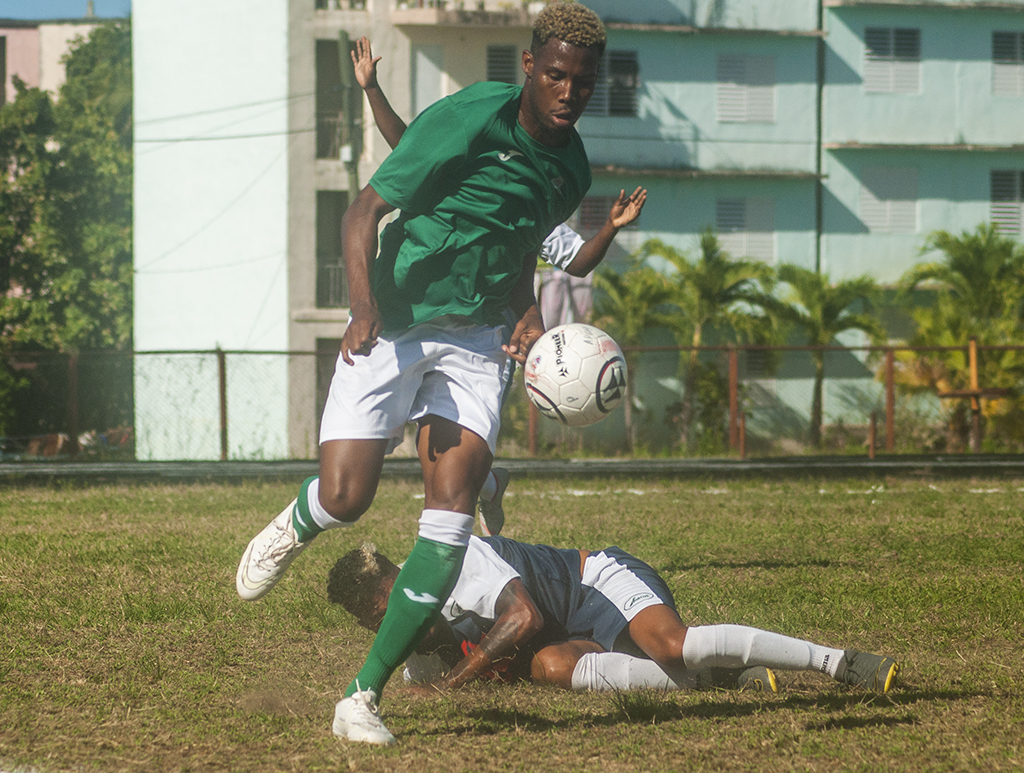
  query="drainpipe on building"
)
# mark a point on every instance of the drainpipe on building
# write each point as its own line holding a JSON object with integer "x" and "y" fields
{"x": 351, "y": 97}
{"x": 819, "y": 183}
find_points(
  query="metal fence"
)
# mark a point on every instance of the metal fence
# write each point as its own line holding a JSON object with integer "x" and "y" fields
{"x": 750, "y": 401}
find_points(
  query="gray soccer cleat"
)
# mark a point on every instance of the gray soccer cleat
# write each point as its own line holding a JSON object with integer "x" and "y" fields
{"x": 863, "y": 669}
{"x": 758, "y": 679}
{"x": 492, "y": 516}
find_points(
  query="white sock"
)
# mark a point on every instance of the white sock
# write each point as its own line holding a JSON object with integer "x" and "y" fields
{"x": 606, "y": 671}
{"x": 323, "y": 519}
{"x": 490, "y": 487}
{"x": 737, "y": 646}
{"x": 446, "y": 527}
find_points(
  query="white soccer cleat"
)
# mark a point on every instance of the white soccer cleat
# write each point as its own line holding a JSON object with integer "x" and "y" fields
{"x": 492, "y": 514}
{"x": 269, "y": 553}
{"x": 356, "y": 718}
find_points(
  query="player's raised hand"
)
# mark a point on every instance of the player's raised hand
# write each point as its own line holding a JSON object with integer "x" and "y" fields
{"x": 365, "y": 63}
{"x": 626, "y": 209}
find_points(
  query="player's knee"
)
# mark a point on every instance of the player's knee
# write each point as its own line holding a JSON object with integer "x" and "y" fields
{"x": 546, "y": 668}
{"x": 346, "y": 501}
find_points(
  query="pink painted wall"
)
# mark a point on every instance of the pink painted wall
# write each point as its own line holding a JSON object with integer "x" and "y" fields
{"x": 22, "y": 56}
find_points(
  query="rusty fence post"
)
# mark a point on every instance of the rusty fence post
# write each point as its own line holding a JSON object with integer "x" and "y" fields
{"x": 73, "y": 403}
{"x": 972, "y": 365}
{"x": 533, "y": 429}
{"x": 890, "y": 400}
{"x": 734, "y": 399}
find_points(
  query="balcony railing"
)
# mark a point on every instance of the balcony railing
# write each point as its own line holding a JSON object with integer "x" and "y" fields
{"x": 328, "y": 135}
{"x": 340, "y": 5}
{"x": 331, "y": 288}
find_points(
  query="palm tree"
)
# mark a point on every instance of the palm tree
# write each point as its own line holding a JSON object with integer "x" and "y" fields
{"x": 982, "y": 270}
{"x": 980, "y": 294}
{"x": 822, "y": 310}
{"x": 714, "y": 292}
{"x": 625, "y": 307}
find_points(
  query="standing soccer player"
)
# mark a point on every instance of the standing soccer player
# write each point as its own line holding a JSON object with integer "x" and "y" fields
{"x": 483, "y": 178}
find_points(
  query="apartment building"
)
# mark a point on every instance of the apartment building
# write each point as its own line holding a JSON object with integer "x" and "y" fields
{"x": 833, "y": 134}
{"x": 32, "y": 51}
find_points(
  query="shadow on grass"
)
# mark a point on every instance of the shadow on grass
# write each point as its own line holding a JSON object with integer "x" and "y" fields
{"x": 655, "y": 707}
{"x": 754, "y": 565}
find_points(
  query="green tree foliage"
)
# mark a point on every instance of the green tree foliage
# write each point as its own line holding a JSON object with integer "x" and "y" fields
{"x": 714, "y": 292}
{"x": 65, "y": 223}
{"x": 626, "y": 306}
{"x": 820, "y": 310}
{"x": 65, "y": 233}
{"x": 978, "y": 286}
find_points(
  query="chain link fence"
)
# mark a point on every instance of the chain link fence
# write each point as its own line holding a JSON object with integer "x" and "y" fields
{"x": 240, "y": 405}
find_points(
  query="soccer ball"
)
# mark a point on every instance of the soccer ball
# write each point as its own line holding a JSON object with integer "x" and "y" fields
{"x": 575, "y": 374}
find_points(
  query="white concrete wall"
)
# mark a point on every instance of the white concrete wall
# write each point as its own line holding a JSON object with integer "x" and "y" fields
{"x": 54, "y": 42}
{"x": 211, "y": 165}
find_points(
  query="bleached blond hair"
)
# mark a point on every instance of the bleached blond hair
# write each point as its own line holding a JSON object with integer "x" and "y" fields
{"x": 574, "y": 23}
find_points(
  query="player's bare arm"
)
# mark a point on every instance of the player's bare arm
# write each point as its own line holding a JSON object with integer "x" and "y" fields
{"x": 518, "y": 621}
{"x": 359, "y": 242}
{"x": 390, "y": 125}
{"x": 625, "y": 209}
{"x": 523, "y": 304}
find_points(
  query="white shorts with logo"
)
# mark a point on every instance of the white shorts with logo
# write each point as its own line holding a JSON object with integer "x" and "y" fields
{"x": 448, "y": 367}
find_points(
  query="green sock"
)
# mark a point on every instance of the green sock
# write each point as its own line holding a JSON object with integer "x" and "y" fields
{"x": 302, "y": 519}
{"x": 421, "y": 589}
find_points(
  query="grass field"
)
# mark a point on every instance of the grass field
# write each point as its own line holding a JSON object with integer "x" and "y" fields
{"x": 123, "y": 646}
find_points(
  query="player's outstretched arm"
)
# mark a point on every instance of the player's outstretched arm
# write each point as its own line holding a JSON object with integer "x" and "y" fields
{"x": 390, "y": 125}
{"x": 624, "y": 211}
{"x": 519, "y": 620}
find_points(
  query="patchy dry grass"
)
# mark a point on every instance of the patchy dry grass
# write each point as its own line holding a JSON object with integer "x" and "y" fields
{"x": 124, "y": 648}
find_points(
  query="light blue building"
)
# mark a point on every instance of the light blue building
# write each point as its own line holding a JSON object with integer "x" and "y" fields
{"x": 831, "y": 134}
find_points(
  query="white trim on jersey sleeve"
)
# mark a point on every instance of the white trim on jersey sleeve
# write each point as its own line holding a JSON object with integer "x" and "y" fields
{"x": 483, "y": 577}
{"x": 561, "y": 247}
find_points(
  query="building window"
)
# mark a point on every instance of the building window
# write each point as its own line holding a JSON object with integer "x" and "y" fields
{"x": 1008, "y": 64}
{"x": 502, "y": 64}
{"x": 1007, "y": 194}
{"x": 592, "y": 214}
{"x": 888, "y": 200}
{"x": 328, "y": 100}
{"x": 617, "y": 84}
{"x": 746, "y": 227}
{"x": 892, "y": 60}
{"x": 746, "y": 88}
{"x": 427, "y": 76}
{"x": 331, "y": 289}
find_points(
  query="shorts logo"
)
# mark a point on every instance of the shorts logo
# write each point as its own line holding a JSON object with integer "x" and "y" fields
{"x": 636, "y": 600}
{"x": 420, "y": 598}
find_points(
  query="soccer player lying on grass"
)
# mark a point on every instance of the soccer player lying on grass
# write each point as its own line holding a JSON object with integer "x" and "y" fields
{"x": 585, "y": 620}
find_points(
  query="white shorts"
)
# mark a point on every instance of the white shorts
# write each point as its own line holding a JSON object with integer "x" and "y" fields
{"x": 447, "y": 367}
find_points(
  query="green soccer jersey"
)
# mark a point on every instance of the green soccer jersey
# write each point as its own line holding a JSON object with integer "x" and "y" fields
{"x": 476, "y": 195}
